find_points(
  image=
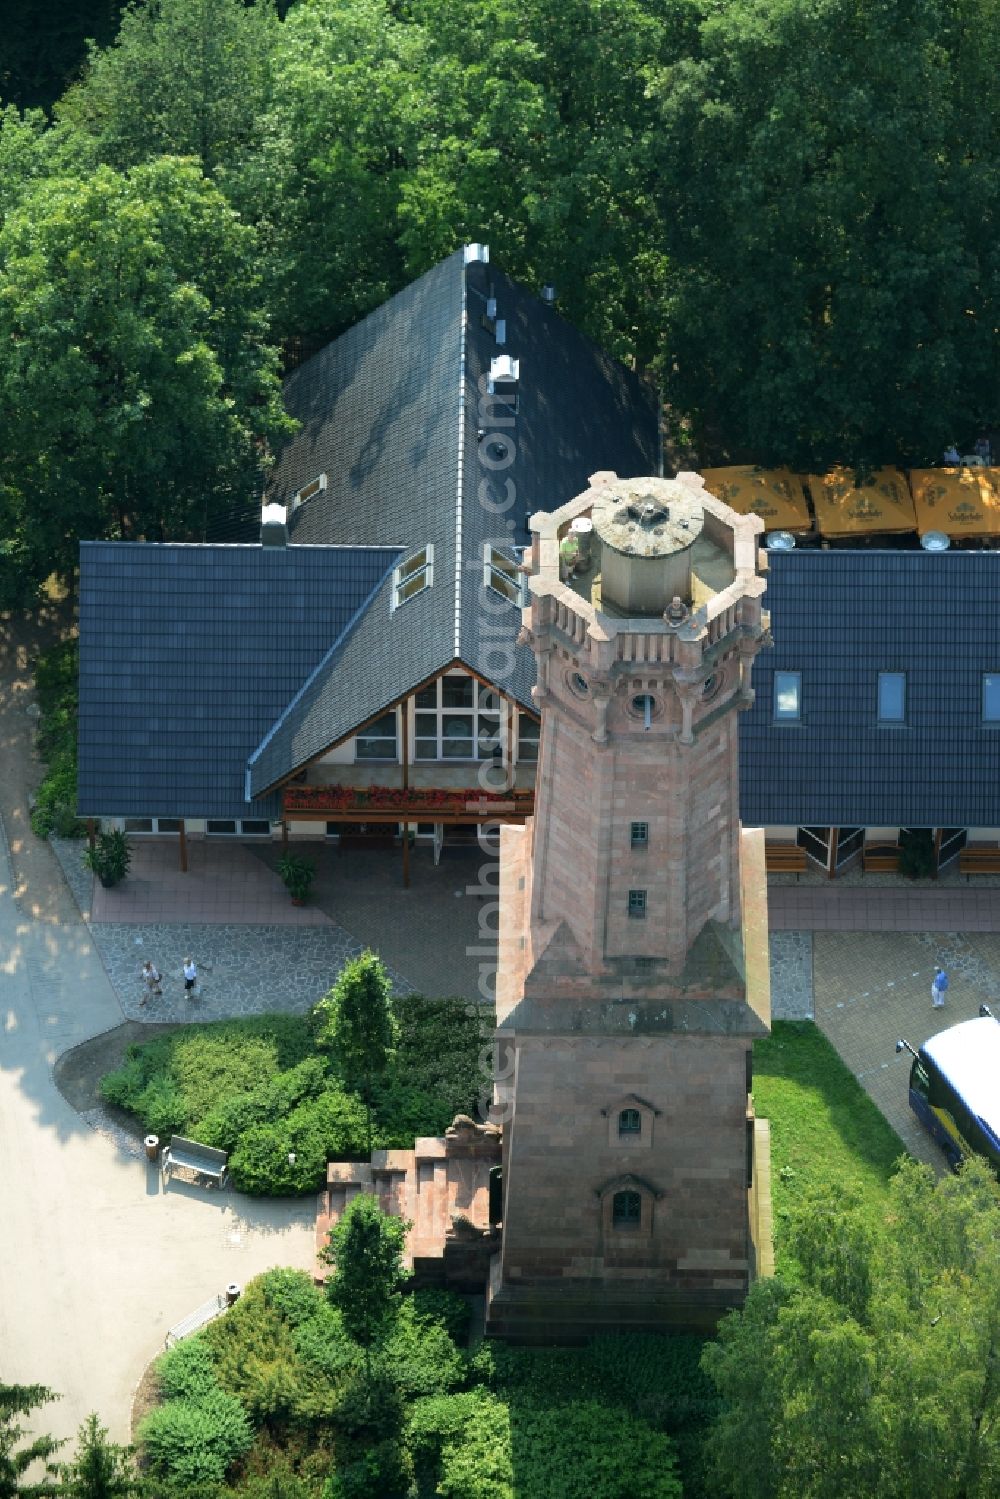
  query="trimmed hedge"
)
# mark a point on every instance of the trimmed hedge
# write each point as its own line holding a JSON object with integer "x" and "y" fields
{"x": 258, "y": 1089}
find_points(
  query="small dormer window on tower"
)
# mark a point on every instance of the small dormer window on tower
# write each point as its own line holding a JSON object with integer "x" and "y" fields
{"x": 413, "y": 576}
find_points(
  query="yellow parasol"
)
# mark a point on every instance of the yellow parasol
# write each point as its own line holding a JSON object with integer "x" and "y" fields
{"x": 775, "y": 495}
{"x": 957, "y": 501}
{"x": 844, "y": 508}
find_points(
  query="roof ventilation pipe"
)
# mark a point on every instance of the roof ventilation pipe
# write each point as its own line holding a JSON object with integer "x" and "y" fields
{"x": 273, "y": 526}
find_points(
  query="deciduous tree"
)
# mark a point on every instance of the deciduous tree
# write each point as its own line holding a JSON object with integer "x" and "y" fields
{"x": 366, "y": 1250}
{"x": 878, "y": 1371}
{"x": 138, "y": 390}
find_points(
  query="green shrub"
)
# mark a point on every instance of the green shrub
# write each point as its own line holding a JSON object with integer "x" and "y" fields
{"x": 55, "y": 800}
{"x": 293, "y": 1294}
{"x": 658, "y": 1377}
{"x": 369, "y": 1405}
{"x": 476, "y": 1462}
{"x": 447, "y": 1308}
{"x": 187, "y": 1371}
{"x": 322, "y": 1343}
{"x": 195, "y": 1441}
{"x": 123, "y": 1086}
{"x": 384, "y": 1470}
{"x": 422, "y": 1355}
{"x": 161, "y": 1108}
{"x": 271, "y": 1101}
{"x": 569, "y": 1450}
{"x": 329, "y": 1127}
{"x": 438, "y": 1420}
{"x": 256, "y": 1360}
{"x": 56, "y": 686}
{"x": 438, "y": 1049}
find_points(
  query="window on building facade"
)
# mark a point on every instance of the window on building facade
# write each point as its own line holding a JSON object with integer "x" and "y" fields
{"x": 501, "y": 573}
{"x": 378, "y": 741}
{"x": 250, "y": 827}
{"x": 787, "y": 696}
{"x": 626, "y": 1210}
{"x": 413, "y": 576}
{"x": 639, "y": 834}
{"x": 528, "y": 734}
{"x": 991, "y": 697}
{"x": 456, "y": 718}
{"x": 637, "y": 904}
{"x": 630, "y": 1122}
{"x": 892, "y": 697}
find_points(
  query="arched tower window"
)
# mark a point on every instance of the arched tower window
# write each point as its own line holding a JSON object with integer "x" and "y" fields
{"x": 630, "y": 1122}
{"x": 626, "y": 1210}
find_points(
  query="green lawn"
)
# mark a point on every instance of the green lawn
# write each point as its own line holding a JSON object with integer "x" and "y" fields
{"x": 825, "y": 1130}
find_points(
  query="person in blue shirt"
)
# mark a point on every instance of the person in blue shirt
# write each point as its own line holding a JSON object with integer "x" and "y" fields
{"x": 939, "y": 988}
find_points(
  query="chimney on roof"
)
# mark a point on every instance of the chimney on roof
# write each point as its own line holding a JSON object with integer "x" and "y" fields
{"x": 476, "y": 254}
{"x": 273, "y": 526}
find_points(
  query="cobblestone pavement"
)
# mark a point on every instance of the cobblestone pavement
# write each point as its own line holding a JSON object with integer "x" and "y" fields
{"x": 791, "y": 975}
{"x": 243, "y": 970}
{"x": 872, "y": 987}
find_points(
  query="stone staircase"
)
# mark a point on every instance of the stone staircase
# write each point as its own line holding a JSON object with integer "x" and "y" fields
{"x": 441, "y": 1187}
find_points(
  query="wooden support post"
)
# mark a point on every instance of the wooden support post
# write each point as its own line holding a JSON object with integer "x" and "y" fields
{"x": 832, "y": 856}
{"x": 284, "y": 834}
{"x": 938, "y": 834}
{"x": 406, "y": 743}
{"x": 91, "y": 833}
{"x": 511, "y": 743}
{"x": 182, "y": 838}
{"x": 406, "y": 856}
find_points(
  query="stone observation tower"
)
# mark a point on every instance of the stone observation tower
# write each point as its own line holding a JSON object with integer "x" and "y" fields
{"x": 633, "y": 971}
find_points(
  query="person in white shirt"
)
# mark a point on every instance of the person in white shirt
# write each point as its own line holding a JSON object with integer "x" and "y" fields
{"x": 190, "y": 977}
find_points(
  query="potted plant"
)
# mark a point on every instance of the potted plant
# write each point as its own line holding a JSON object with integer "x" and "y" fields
{"x": 298, "y": 875}
{"x": 109, "y": 858}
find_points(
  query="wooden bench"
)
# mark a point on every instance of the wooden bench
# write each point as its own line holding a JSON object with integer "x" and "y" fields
{"x": 979, "y": 858}
{"x": 204, "y": 1159}
{"x": 880, "y": 858}
{"x": 785, "y": 858}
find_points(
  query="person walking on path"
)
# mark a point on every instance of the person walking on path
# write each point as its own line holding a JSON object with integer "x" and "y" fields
{"x": 190, "y": 977}
{"x": 939, "y": 987}
{"x": 151, "y": 979}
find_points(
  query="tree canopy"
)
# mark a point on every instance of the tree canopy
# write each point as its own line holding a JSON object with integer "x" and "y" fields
{"x": 18, "y": 1456}
{"x": 137, "y": 388}
{"x": 878, "y": 1371}
{"x": 783, "y": 211}
{"x": 366, "y": 1251}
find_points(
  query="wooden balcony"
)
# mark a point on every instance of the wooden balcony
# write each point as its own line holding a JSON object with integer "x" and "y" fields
{"x": 380, "y": 802}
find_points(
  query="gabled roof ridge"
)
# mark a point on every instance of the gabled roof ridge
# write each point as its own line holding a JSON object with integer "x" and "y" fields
{"x": 460, "y": 476}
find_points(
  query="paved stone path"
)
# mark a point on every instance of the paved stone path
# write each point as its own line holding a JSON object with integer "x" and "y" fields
{"x": 836, "y": 907}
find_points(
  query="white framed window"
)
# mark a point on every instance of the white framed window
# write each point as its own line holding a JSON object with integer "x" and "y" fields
{"x": 892, "y": 697}
{"x": 504, "y": 576}
{"x": 787, "y": 696}
{"x": 457, "y": 718}
{"x": 528, "y": 734}
{"x": 379, "y": 740}
{"x": 413, "y": 576}
{"x": 315, "y": 486}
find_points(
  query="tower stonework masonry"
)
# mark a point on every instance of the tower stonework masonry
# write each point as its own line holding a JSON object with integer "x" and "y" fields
{"x": 633, "y": 970}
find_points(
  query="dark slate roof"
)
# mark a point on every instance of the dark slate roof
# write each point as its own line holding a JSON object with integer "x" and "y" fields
{"x": 189, "y": 653}
{"x": 840, "y": 618}
{"x": 390, "y": 413}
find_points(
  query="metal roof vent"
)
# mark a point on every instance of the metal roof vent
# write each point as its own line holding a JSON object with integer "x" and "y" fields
{"x": 549, "y": 294}
{"x": 273, "y": 526}
{"x": 780, "y": 541}
{"x": 935, "y": 541}
{"x": 648, "y": 512}
{"x": 491, "y": 307}
{"x": 476, "y": 254}
{"x": 500, "y": 330}
{"x": 504, "y": 370}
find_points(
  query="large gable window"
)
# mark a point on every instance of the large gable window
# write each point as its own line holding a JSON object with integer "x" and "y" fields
{"x": 503, "y": 575}
{"x": 378, "y": 741}
{"x": 413, "y": 576}
{"x": 456, "y": 718}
